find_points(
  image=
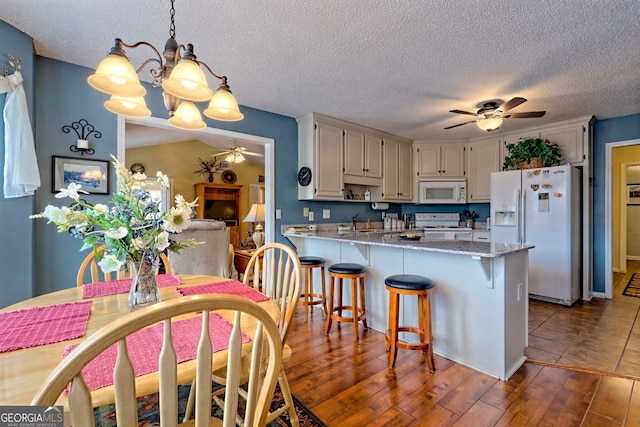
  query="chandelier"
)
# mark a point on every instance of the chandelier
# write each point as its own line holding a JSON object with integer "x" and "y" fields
{"x": 180, "y": 75}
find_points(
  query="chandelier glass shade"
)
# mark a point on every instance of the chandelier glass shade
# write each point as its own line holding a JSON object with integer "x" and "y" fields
{"x": 178, "y": 72}
{"x": 130, "y": 107}
{"x": 490, "y": 123}
{"x": 187, "y": 116}
{"x": 235, "y": 157}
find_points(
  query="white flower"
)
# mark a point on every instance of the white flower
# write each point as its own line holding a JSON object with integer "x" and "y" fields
{"x": 162, "y": 241}
{"x": 55, "y": 214}
{"x": 71, "y": 191}
{"x": 163, "y": 179}
{"x": 100, "y": 208}
{"x": 138, "y": 243}
{"x": 177, "y": 220}
{"x": 116, "y": 233}
{"x": 110, "y": 263}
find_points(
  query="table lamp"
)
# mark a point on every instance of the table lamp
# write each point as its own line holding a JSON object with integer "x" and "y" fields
{"x": 256, "y": 215}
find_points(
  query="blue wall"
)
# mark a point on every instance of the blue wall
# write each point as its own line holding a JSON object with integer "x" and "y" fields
{"x": 605, "y": 131}
{"x": 40, "y": 260}
{"x": 16, "y": 229}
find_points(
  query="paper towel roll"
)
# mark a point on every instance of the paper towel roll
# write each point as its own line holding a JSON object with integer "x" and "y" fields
{"x": 376, "y": 206}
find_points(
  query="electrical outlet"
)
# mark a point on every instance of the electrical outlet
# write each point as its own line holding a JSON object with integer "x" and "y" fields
{"x": 519, "y": 291}
{"x": 278, "y": 213}
{"x": 305, "y": 212}
{"x": 311, "y": 216}
{"x": 326, "y": 213}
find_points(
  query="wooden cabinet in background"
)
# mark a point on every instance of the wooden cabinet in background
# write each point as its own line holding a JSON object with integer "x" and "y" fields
{"x": 220, "y": 202}
{"x": 440, "y": 160}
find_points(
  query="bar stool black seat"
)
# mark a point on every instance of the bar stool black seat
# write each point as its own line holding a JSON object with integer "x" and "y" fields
{"x": 420, "y": 286}
{"x": 358, "y": 308}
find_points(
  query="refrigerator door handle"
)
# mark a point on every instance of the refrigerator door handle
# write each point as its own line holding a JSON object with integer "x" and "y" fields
{"x": 523, "y": 207}
{"x": 518, "y": 231}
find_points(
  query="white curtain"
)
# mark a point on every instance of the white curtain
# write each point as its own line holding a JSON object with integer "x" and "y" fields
{"x": 21, "y": 174}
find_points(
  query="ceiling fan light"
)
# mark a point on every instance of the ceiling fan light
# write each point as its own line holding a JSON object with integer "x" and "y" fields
{"x": 187, "y": 81}
{"x": 235, "y": 157}
{"x": 489, "y": 124}
{"x": 187, "y": 117}
{"x": 128, "y": 107}
{"x": 223, "y": 106}
{"x": 116, "y": 76}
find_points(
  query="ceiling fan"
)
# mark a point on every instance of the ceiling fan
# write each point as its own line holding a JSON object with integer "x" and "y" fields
{"x": 490, "y": 116}
{"x": 235, "y": 154}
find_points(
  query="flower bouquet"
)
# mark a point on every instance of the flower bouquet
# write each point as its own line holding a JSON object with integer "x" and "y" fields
{"x": 133, "y": 231}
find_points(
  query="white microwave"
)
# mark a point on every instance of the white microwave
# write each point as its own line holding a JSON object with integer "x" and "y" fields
{"x": 442, "y": 191}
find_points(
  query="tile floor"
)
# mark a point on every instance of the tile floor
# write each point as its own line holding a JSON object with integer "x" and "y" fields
{"x": 600, "y": 335}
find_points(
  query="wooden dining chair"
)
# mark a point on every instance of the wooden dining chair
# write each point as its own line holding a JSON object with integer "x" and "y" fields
{"x": 97, "y": 275}
{"x": 274, "y": 269}
{"x": 265, "y": 363}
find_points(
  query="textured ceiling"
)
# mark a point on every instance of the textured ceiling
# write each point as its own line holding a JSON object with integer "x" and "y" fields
{"x": 394, "y": 65}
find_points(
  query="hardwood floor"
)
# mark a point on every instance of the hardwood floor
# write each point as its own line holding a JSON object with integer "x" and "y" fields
{"x": 347, "y": 383}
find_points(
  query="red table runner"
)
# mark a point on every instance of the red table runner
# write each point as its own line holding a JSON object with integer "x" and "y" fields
{"x": 36, "y": 326}
{"x": 144, "y": 348}
{"x": 112, "y": 287}
{"x": 233, "y": 287}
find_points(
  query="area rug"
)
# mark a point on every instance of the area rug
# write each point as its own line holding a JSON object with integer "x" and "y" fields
{"x": 148, "y": 411}
{"x": 633, "y": 287}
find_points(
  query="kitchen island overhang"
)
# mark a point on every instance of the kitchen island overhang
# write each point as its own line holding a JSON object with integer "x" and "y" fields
{"x": 479, "y": 305}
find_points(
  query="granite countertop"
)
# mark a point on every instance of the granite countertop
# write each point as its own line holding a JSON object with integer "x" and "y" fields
{"x": 378, "y": 237}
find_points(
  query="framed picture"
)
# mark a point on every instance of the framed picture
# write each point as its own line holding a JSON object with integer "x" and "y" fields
{"x": 224, "y": 165}
{"x": 92, "y": 175}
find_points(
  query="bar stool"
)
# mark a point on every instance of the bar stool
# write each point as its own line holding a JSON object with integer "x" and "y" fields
{"x": 308, "y": 297}
{"x": 409, "y": 284}
{"x": 358, "y": 310}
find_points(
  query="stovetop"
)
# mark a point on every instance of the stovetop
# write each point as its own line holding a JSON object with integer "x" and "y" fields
{"x": 439, "y": 222}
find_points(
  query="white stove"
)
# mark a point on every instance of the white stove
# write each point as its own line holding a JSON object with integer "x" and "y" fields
{"x": 442, "y": 226}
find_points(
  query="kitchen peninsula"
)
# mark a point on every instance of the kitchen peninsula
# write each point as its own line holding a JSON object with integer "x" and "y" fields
{"x": 479, "y": 306}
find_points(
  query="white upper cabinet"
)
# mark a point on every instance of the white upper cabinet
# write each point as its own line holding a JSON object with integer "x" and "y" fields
{"x": 440, "y": 160}
{"x": 571, "y": 139}
{"x": 320, "y": 143}
{"x": 362, "y": 157}
{"x": 484, "y": 158}
{"x": 397, "y": 183}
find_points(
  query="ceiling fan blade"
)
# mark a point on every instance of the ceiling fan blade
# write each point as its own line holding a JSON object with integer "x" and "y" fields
{"x": 527, "y": 115}
{"x": 221, "y": 153}
{"x": 460, "y": 124}
{"x": 513, "y": 102}
{"x": 251, "y": 153}
{"x": 462, "y": 112}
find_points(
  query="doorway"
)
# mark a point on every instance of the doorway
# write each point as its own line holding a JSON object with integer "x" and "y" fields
{"x": 269, "y": 160}
{"x": 615, "y": 222}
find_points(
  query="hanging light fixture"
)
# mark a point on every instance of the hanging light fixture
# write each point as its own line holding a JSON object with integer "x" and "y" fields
{"x": 235, "y": 156}
{"x": 180, "y": 75}
{"x": 489, "y": 123}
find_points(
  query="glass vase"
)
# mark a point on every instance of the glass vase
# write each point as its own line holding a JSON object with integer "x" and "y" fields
{"x": 144, "y": 288}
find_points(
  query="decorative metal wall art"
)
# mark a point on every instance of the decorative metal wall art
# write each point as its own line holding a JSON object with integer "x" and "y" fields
{"x": 83, "y": 129}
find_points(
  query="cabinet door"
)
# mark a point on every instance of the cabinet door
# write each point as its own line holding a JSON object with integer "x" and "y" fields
{"x": 452, "y": 161}
{"x": 428, "y": 160}
{"x": 390, "y": 176}
{"x": 373, "y": 156}
{"x": 571, "y": 142}
{"x": 354, "y": 147}
{"x": 328, "y": 158}
{"x": 484, "y": 158}
{"x": 405, "y": 175}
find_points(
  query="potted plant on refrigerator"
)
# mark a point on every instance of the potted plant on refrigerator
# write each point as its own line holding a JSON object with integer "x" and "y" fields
{"x": 532, "y": 153}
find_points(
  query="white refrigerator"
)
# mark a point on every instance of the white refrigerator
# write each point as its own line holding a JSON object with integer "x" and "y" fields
{"x": 541, "y": 207}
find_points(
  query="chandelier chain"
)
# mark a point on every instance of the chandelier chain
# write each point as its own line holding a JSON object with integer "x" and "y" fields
{"x": 172, "y": 28}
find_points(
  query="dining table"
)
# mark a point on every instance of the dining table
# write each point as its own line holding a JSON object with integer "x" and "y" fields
{"x": 23, "y": 371}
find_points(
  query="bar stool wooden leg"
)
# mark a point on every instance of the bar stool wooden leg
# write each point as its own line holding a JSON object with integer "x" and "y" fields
{"x": 392, "y": 343}
{"x": 426, "y": 328}
{"x": 330, "y": 306}
{"x": 363, "y": 306}
{"x": 355, "y": 313}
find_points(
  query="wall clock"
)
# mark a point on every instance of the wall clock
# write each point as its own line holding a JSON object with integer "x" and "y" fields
{"x": 304, "y": 176}
{"x": 229, "y": 177}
